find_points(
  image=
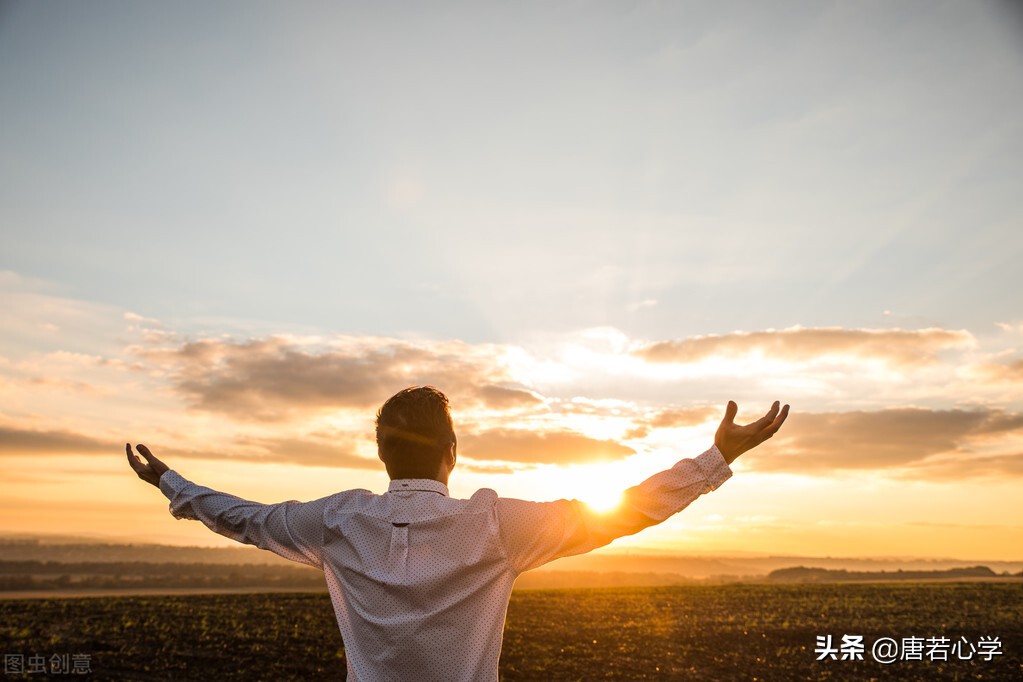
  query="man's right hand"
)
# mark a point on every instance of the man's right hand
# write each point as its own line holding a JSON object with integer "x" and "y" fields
{"x": 151, "y": 470}
{"x": 733, "y": 440}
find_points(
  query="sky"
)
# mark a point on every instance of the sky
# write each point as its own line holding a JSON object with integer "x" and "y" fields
{"x": 231, "y": 230}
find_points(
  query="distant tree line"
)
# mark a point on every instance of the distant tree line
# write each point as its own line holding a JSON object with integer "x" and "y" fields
{"x": 34, "y": 550}
{"x": 34, "y": 575}
{"x": 803, "y": 574}
{"x": 46, "y": 575}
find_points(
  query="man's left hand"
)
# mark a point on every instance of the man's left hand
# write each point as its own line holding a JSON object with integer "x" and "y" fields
{"x": 733, "y": 440}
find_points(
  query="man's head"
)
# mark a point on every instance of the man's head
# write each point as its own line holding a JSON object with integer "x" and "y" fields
{"x": 415, "y": 437}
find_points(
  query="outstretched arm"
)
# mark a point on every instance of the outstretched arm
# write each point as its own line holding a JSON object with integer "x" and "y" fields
{"x": 293, "y": 530}
{"x": 536, "y": 533}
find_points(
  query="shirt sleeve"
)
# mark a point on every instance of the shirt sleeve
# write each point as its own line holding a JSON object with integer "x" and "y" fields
{"x": 535, "y": 533}
{"x": 293, "y": 530}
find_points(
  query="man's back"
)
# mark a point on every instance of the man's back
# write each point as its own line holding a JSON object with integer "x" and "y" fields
{"x": 420, "y": 582}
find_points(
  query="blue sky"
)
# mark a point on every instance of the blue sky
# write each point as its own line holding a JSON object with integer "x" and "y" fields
{"x": 215, "y": 215}
{"x": 477, "y": 171}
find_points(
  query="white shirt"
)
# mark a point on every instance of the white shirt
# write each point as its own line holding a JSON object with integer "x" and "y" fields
{"x": 420, "y": 582}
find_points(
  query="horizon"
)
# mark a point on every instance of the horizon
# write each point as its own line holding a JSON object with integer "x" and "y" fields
{"x": 232, "y": 235}
{"x": 603, "y": 552}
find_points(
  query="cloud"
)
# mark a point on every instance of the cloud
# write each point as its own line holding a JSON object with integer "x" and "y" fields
{"x": 537, "y": 447}
{"x": 997, "y": 373}
{"x": 300, "y": 451}
{"x": 674, "y": 418}
{"x": 274, "y": 378}
{"x": 1014, "y": 370}
{"x": 486, "y": 468}
{"x": 819, "y": 443}
{"x": 799, "y": 344}
{"x": 969, "y": 467}
{"x": 15, "y": 441}
{"x": 691, "y": 416}
{"x": 1010, "y": 327}
{"x": 305, "y": 451}
{"x": 505, "y": 398}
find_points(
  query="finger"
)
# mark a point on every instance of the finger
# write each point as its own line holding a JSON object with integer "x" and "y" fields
{"x": 766, "y": 420}
{"x": 133, "y": 461}
{"x": 779, "y": 420}
{"x": 730, "y": 411}
{"x": 154, "y": 465}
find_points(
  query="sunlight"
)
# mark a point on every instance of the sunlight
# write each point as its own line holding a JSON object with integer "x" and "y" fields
{"x": 603, "y": 501}
{"x": 599, "y": 487}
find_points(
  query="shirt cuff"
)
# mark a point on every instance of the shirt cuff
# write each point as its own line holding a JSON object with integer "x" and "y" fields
{"x": 714, "y": 467}
{"x": 171, "y": 483}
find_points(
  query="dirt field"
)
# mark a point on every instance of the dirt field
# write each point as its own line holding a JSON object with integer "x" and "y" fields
{"x": 728, "y": 632}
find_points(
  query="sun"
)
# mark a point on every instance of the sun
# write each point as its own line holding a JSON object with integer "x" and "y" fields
{"x": 600, "y": 487}
{"x": 603, "y": 503}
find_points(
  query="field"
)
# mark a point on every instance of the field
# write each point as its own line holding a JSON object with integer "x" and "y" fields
{"x": 725, "y": 632}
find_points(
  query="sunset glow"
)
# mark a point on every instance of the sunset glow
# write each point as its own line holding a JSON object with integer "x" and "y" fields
{"x": 590, "y": 226}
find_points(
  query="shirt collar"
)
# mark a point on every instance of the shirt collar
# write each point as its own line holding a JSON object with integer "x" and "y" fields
{"x": 420, "y": 484}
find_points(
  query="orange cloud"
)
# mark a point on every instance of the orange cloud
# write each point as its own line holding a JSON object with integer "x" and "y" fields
{"x": 820, "y": 443}
{"x": 968, "y": 467}
{"x": 799, "y": 344}
{"x": 691, "y": 416}
{"x": 674, "y": 418}
{"x": 994, "y": 372}
{"x": 537, "y": 447}
{"x": 305, "y": 451}
{"x": 274, "y": 378}
{"x": 15, "y": 441}
{"x": 499, "y": 397}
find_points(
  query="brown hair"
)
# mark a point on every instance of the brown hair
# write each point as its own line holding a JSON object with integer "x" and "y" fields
{"x": 414, "y": 432}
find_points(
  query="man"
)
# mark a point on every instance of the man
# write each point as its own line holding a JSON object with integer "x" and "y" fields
{"x": 420, "y": 582}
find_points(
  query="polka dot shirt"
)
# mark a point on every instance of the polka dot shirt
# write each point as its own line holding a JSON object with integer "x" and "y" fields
{"x": 420, "y": 582}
